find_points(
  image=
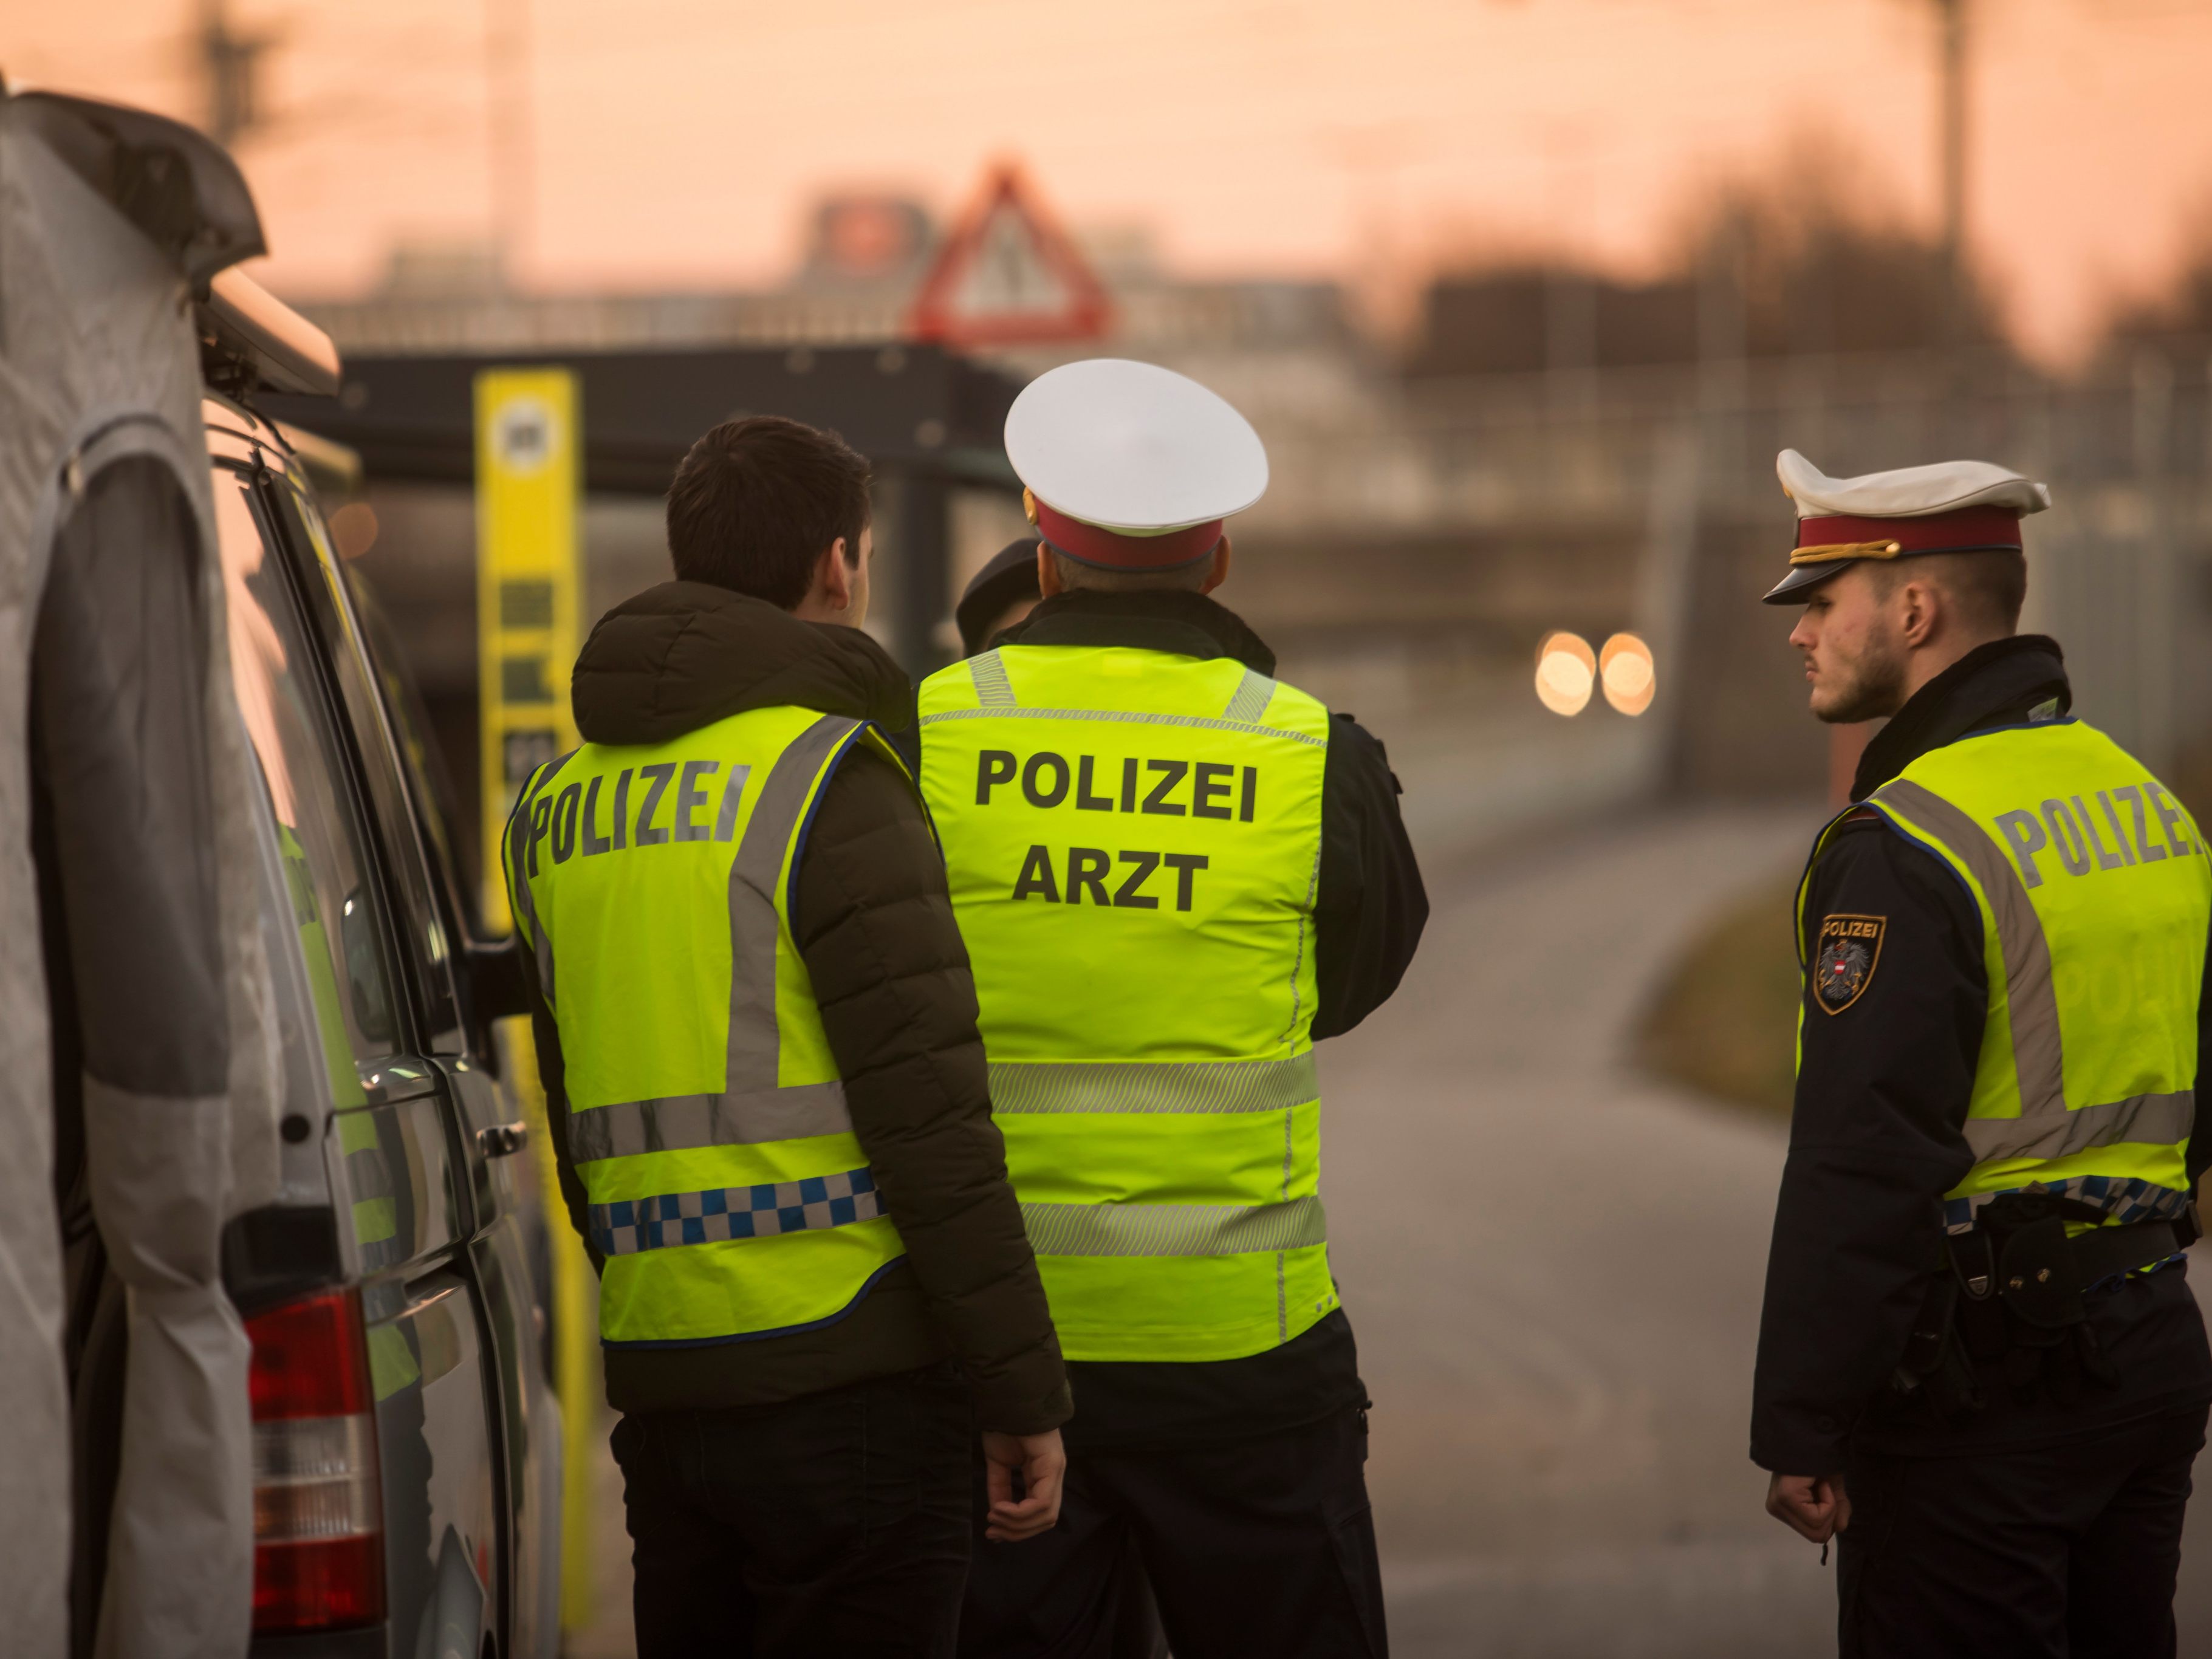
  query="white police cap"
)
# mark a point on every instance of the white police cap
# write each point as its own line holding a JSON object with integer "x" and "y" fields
{"x": 1951, "y": 507}
{"x": 1907, "y": 492}
{"x": 1133, "y": 447}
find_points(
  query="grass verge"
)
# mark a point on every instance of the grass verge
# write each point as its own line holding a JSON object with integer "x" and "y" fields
{"x": 1724, "y": 1021}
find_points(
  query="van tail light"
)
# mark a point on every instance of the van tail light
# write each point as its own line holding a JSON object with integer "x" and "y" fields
{"x": 318, "y": 1523}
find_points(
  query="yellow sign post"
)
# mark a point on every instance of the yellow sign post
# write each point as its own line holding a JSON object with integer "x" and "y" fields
{"x": 527, "y": 583}
{"x": 529, "y": 600}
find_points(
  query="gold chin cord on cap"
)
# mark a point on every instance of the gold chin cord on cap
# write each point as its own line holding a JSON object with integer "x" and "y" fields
{"x": 1835, "y": 550}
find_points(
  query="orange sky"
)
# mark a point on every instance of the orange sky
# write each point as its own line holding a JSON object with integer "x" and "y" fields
{"x": 1248, "y": 136}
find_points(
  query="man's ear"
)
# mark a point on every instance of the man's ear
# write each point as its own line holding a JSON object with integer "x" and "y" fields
{"x": 1048, "y": 583}
{"x": 1923, "y": 608}
{"x": 1220, "y": 571}
{"x": 834, "y": 576}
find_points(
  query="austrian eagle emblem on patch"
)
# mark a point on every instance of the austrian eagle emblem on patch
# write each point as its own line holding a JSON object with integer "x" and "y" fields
{"x": 1844, "y": 963}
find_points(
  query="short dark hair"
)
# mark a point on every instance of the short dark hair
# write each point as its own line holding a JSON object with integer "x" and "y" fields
{"x": 1992, "y": 586}
{"x": 757, "y": 501}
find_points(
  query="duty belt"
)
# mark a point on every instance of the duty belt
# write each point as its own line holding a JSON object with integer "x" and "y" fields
{"x": 2098, "y": 1254}
{"x": 2008, "y": 1305}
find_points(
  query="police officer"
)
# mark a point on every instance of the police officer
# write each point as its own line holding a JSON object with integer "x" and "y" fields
{"x": 757, "y": 1030}
{"x": 999, "y": 595}
{"x": 1980, "y": 1367}
{"x": 1174, "y": 873}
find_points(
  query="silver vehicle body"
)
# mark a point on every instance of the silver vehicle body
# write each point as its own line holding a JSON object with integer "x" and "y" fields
{"x": 416, "y": 1154}
{"x": 348, "y": 1142}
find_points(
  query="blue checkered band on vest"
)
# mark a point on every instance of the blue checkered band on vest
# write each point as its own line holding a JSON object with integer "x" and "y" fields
{"x": 632, "y": 1224}
{"x": 2125, "y": 1201}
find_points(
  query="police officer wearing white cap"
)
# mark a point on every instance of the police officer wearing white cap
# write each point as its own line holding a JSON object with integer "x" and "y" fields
{"x": 1980, "y": 1368}
{"x": 1174, "y": 873}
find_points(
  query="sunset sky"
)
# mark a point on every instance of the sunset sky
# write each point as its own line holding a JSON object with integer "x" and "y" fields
{"x": 678, "y": 142}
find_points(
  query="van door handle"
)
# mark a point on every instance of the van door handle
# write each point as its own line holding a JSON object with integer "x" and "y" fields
{"x": 500, "y": 1139}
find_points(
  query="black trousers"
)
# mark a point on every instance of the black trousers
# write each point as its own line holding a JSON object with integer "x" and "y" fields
{"x": 823, "y": 1528}
{"x": 2067, "y": 1551}
{"x": 1255, "y": 1547}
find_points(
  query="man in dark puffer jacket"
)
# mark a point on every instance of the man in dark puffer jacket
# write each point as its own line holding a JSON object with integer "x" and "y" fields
{"x": 806, "y": 1491}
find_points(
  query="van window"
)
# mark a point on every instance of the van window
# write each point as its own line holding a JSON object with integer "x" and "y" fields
{"x": 421, "y": 934}
{"x": 335, "y": 906}
{"x": 457, "y": 861}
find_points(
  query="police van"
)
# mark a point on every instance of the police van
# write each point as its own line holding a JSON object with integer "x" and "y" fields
{"x": 405, "y": 1444}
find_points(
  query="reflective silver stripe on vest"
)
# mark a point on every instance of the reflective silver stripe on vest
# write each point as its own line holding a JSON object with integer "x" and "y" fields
{"x": 754, "y": 1041}
{"x": 679, "y": 1123}
{"x": 1174, "y": 1228}
{"x": 751, "y": 1109}
{"x": 2160, "y": 1120}
{"x": 1254, "y": 693}
{"x": 989, "y": 671}
{"x": 1227, "y": 1085}
{"x": 2045, "y": 1129}
{"x": 1203, "y": 722}
{"x": 2032, "y": 1001}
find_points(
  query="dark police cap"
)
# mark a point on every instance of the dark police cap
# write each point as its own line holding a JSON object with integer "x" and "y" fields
{"x": 1010, "y": 578}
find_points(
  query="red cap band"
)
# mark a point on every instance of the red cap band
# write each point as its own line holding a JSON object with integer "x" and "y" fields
{"x": 1964, "y": 530}
{"x": 1087, "y": 543}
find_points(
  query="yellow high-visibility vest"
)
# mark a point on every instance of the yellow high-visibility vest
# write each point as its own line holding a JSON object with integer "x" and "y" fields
{"x": 1133, "y": 840}
{"x": 705, "y": 1117}
{"x": 2095, "y": 894}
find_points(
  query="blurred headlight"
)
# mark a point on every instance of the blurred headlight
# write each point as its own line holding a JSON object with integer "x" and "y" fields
{"x": 1625, "y": 667}
{"x": 1566, "y": 668}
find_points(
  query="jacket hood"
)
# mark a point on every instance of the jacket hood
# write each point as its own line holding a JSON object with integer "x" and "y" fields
{"x": 685, "y": 654}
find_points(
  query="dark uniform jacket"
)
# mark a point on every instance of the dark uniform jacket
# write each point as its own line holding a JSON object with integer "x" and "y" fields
{"x": 1878, "y": 1136}
{"x": 873, "y": 922}
{"x": 1370, "y": 911}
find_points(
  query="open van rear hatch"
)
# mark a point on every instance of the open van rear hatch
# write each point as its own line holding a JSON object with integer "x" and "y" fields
{"x": 249, "y": 340}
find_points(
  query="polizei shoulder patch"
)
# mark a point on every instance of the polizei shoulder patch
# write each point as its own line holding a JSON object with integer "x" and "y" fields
{"x": 1844, "y": 965}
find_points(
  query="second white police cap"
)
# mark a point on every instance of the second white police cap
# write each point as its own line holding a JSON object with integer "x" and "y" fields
{"x": 1132, "y": 465}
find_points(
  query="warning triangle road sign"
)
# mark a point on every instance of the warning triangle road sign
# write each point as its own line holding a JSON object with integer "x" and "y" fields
{"x": 1008, "y": 276}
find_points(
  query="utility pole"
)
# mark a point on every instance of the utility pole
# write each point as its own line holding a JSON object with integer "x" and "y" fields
{"x": 229, "y": 63}
{"x": 1951, "y": 20}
